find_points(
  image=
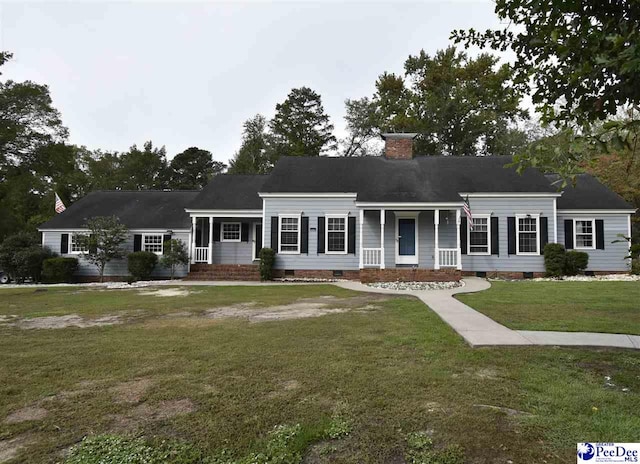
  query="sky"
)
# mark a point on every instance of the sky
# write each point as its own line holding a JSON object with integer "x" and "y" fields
{"x": 189, "y": 74}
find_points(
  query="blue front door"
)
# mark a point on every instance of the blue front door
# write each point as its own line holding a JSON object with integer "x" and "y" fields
{"x": 407, "y": 241}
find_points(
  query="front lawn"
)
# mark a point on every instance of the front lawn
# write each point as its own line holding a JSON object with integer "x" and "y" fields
{"x": 345, "y": 376}
{"x": 612, "y": 307}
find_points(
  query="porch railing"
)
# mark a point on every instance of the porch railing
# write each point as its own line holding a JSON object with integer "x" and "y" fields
{"x": 201, "y": 254}
{"x": 371, "y": 257}
{"x": 448, "y": 257}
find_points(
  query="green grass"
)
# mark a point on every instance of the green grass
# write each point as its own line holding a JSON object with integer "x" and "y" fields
{"x": 612, "y": 307}
{"x": 387, "y": 373}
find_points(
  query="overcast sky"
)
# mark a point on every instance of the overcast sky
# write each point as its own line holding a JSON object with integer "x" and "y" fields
{"x": 189, "y": 74}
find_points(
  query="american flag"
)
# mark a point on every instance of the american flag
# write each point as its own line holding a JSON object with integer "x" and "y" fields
{"x": 467, "y": 211}
{"x": 59, "y": 205}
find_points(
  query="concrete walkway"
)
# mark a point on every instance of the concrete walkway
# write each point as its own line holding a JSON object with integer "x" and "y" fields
{"x": 480, "y": 330}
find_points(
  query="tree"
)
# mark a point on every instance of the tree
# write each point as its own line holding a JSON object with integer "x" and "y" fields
{"x": 254, "y": 155}
{"x": 193, "y": 169}
{"x": 363, "y": 125}
{"x": 102, "y": 168}
{"x": 458, "y": 106}
{"x": 581, "y": 60}
{"x": 104, "y": 240}
{"x": 175, "y": 254}
{"x": 143, "y": 169}
{"x": 300, "y": 126}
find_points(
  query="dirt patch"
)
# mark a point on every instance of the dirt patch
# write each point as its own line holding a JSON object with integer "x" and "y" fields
{"x": 30, "y": 413}
{"x": 168, "y": 292}
{"x": 10, "y": 448}
{"x": 507, "y": 411}
{"x": 299, "y": 309}
{"x": 131, "y": 392}
{"x": 484, "y": 373}
{"x": 147, "y": 412}
{"x": 61, "y": 322}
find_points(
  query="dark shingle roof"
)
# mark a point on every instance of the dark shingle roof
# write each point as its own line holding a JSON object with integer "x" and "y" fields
{"x": 230, "y": 191}
{"x": 422, "y": 179}
{"x": 588, "y": 193}
{"x": 152, "y": 209}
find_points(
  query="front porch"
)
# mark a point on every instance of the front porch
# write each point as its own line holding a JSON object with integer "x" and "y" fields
{"x": 426, "y": 239}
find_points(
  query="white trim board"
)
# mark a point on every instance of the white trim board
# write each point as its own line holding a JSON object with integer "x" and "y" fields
{"x": 407, "y": 259}
{"x": 511, "y": 194}
{"x": 307, "y": 195}
{"x": 407, "y": 206}
{"x": 245, "y": 213}
{"x": 596, "y": 211}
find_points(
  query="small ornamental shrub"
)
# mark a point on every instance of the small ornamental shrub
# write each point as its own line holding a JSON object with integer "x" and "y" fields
{"x": 267, "y": 260}
{"x": 141, "y": 264}
{"x": 175, "y": 254}
{"x": 554, "y": 259}
{"x": 575, "y": 262}
{"x": 59, "y": 270}
{"x": 635, "y": 266}
{"x": 635, "y": 251}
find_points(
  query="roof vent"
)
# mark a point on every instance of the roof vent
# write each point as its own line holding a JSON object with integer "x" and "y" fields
{"x": 398, "y": 146}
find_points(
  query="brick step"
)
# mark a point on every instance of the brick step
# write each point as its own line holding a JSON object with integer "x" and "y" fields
{"x": 201, "y": 271}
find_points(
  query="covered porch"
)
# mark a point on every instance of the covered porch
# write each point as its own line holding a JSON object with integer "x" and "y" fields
{"x": 226, "y": 237}
{"x": 410, "y": 237}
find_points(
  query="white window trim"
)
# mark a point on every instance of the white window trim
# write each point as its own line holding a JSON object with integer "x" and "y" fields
{"x": 593, "y": 234}
{"x": 477, "y": 253}
{"x": 525, "y": 216}
{"x": 326, "y": 233}
{"x": 70, "y": 250}
{"x": 143, "y": 244}
{"x": 280, "y": 217}
{"x": 239, "y": 239}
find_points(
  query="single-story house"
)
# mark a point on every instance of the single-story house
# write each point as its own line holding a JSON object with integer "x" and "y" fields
{"x": 372, "y": 218}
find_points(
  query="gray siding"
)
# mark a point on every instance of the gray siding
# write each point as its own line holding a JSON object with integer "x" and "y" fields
{"x": 312, "y": 208}
{"x": 612, "y": 257}
{"x": 234, "y": 252}
{"x": 503, "y": 208}
{"x": 116, "y": 267}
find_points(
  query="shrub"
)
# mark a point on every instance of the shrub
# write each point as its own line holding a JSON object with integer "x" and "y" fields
{"x": 59, "y": 270}
{"x": 575, "y": 262}
{"x": 267, "y": 260}
{"x": 635, "y": 266}
{"x": 554, "y": 259}
{"x": 21, "y": 257}
{"x": 635, "y": 251}
{"x": 141, "y": 264}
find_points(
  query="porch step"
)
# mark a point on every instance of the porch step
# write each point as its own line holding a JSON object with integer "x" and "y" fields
{"x": 224, "y": 272}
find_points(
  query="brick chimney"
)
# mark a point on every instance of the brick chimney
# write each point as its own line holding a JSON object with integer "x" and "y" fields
{"x": 398, "y": 146}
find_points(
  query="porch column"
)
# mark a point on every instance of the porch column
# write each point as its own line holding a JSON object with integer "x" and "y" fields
{"x": 193, "y": 239}
{"x": 382, "y": 214}
{"x": 459, "y": 251}
{"x": 210, "y": 254}
{"x": 361, "y": 257}
{"x": 436, "y": 225}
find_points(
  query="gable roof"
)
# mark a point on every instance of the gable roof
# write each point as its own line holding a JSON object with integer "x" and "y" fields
{"x": 588, "y": 193}
{"x": 422, "y": 179}
{"x": 150, "y": 209}
{"x": 230, "y": 191}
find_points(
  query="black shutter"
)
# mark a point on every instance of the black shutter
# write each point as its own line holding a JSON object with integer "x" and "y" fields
{"x": 244, "y": 232}
{"x": 495, "y": 237}
{"x": 274, "y": 233}
{"x": 304, "y": 234}
{"x": 599, "y": 234}
{"x": 165, "y": 239}
{"x": 351, "y": 234}
{"x": 544, "y": 233}
{"x": 64, "y": 244}
{"x": 321, "y": 234}
{"x": 511, "y": 235}
{"x": 93, "y": 248}
{"x": 137, "y": 242}
{"x": 216, "y": 232}
{"x": 568, "y": 234}
{"x": 463, "y": 235}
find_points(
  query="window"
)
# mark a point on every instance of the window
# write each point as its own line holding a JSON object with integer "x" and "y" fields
{"x": 479, "y": 237}
{"x": 230, "y": 232}
{"x": 527, "y": 235}
{"x": 584, "y": 230}
{"x": 336, "y": 238}
{"x": 289, "y": 234}
{"x": 74, "y": 246}
{"x": 152, "y": 243}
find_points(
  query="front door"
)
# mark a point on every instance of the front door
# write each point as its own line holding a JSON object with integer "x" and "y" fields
{"x": 257, "y": 240}
{"x": 407, "y": 241}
